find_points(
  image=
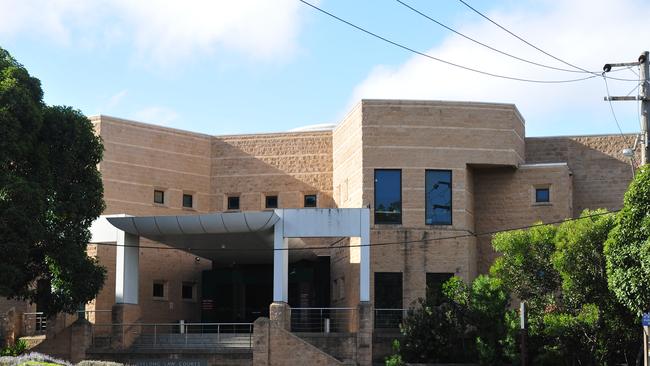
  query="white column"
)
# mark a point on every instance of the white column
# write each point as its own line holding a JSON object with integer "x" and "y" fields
{"x": 280, "y": 262}
{"x": 127, "y": 265}
{"x": 364, "y": 260}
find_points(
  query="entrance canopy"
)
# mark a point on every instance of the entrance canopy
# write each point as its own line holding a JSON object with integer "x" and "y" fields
{"x": 227, "y": 237}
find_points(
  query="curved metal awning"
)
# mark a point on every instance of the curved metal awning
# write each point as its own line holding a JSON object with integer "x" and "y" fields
{"x": 223, "y": 237}
{"x": 214, "y": 223}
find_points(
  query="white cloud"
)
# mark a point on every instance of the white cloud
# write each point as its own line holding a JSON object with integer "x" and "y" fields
{"x": 115, "y": 99}
{"x": 157, "y": 115}
{"x": 584, "y": 32}
{"x": 163, "y": 32}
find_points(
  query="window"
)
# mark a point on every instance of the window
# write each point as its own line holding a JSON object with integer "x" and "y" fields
{"x": 388, "y": 290}
{"x": 388, "y": 196}
{"x": 438, "y": 197}
{"x": 434, "y": 286}
{"x": 233, "y": 203}
{"x": 271, "y": 201}
{"x": 542, "y": 195}
{"x": 187, "y": 291}
{"x": 159, "y": 197}
{"x": 310, "y": 200}
{"x": 159, "y": 289}
{"x": 188, "y": 200}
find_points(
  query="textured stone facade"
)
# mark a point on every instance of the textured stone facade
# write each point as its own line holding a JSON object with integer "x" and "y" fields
{"x": 495, "y": 170}
{"x": 494, "y": 167}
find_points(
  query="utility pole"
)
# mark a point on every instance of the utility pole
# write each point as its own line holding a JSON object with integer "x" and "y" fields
{"x": 644, "y": 97}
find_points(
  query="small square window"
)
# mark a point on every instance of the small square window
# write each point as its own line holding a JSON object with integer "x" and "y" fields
{"x": 188, "y": 200}
{"x": 159, "y": 289}
{"x": 542, "y": 195}
{"x": 271, "y": 201}
{"x": 310, "y": 200}
{"x": 159, "y": 196}
{"x": 188, "y": 291}
{"x": 233, "y": 203}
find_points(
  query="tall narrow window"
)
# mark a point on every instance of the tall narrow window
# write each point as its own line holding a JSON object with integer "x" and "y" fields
{"x": 388, "y": 300}
{"x": 388, "y": 196}
{"x": 438, "y": 197}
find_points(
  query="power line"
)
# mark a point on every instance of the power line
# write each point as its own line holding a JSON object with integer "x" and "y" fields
{"x": 396, "y": 44}
{"x": 403, "y": 242}
{"x": 611, "y": 108}
{"x": 535, "y": 47}
{"x": 483, "y": 44}
{"x": 521, "y": 39}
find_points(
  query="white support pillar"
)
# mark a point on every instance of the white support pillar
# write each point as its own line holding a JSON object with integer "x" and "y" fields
{"x": 364, "y": 265}
{"x": 127, "y": 265}
{"x": 280, "y": 263}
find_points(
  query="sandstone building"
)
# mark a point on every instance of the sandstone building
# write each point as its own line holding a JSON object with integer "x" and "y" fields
{"x": 432, "y": 177}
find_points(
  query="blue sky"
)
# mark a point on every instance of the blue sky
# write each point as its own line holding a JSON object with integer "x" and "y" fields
{"x": 223, "y": 67}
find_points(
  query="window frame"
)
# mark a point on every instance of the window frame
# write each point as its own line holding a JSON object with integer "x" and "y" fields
{"x": 304, "y": 200}
{"x": 162, "y": 192}
{"x": 548, "y": 195}
{"x": 266, "y": 201}
{"x": 191, "y": 196}
{"x": 164, "y": 289}
{"x": 451, "y": 197}
{"x": 228, "y": 198}
{"x": 193, "y": 288}
{"x": 401, "y": 213}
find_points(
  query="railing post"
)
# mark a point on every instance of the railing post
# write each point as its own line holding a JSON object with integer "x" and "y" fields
{"x": 155, "y": 332}
{"x": 185, "y": 331}
{"x": 218, "y": 334}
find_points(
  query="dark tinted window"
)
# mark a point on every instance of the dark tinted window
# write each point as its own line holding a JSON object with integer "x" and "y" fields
{"x": 271, "y": 201}
{"x": 434, "y": 286}
{"x": 438, "y": 197}
{"x": 158, "y": 289}
{"x": 188, "y": 291}
{"x": 233, "y": 203}
{"x": 310, "y": 200}
{"x": 388, "y": 196}
{"x": 388, "y": 290}
{"x": 187, "y": 200}
{"x": 542, "y": 195}
{"x": 158, "y": 196}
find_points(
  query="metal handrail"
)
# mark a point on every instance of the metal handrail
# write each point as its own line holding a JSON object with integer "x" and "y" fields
{"x": 157, "y": 335}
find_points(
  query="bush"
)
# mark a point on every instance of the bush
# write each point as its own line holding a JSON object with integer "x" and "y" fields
{"x": 16, "y": 350}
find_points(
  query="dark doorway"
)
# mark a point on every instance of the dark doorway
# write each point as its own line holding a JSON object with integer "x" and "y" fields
{"x": 243, "y": 293}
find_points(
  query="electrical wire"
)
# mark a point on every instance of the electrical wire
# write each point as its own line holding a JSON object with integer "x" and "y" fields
{"x": 483, "y": 44}
{"x": 469, "y": 234}
{"x": 535, "y": 47}
{"x": 467, "y": 68}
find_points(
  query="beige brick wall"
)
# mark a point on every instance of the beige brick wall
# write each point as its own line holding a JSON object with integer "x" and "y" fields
{"x": 601, "y": 173}
{"x": 482, "y": 144}
{"x": 504, "y": 199}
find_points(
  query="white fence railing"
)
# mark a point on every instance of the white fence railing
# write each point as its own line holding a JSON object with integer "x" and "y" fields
{"x": 389, "y": 318}
{"x": 174, "y": 335}
{"x": 323, "y": 320}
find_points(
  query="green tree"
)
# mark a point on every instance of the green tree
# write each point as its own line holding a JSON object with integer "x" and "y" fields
{"x": 50, "y": 191}
{"x": 525, "y": 265}
{"x": 628, "y": 247}
{"x": 596, "y": 325}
